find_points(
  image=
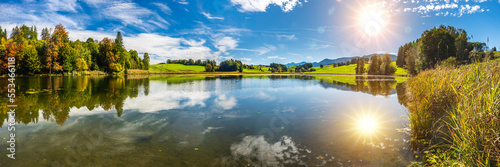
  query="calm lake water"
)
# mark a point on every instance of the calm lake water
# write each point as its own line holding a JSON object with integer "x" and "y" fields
{"x": 207, "y": 121}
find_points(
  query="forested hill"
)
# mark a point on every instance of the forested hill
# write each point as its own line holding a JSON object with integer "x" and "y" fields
{"x": 55, "y": 53}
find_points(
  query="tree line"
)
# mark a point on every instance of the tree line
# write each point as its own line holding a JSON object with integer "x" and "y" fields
{"x": 56, "y": 53}
{"x": 443, "y": 45}
{"x": 198, "y": 62}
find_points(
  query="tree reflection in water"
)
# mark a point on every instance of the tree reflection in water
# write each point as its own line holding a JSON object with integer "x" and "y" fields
{"x": 53, "y": 97}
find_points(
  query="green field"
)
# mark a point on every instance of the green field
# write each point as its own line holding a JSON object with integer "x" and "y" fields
{"x": 264, "y": 70}
{"x": 350, "y": 69}
{"x": 328, "y": 69}
{"x": 178, "y": 68}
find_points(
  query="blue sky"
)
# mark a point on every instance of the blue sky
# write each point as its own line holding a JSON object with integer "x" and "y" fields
{"x": 257, "y": 31}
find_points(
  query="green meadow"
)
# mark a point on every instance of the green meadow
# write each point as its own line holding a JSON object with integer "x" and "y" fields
{"x": 176, "y": 68}
{"x": 328, "y": 69}
{"x": 350, "y": 69}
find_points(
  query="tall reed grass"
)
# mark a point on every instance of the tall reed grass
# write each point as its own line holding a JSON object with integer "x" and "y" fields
{"x": 454, "y": 115}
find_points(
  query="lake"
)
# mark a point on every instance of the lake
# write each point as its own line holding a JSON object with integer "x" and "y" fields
{"x": 274, "y": 120}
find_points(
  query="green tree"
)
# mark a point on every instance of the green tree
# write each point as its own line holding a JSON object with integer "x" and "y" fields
{"x": 437, "y": 44}
{"x": 411, "y": 58}
{"x": 45, "y": 34}
{"x": 106, "y": 56}
{"x": 81, "y": 65}
{"x": 386, "y": 68}
{"x": 208, "y": 68}
{"x": 374, "y": 67}
{"x": 119, "y": 43}
{"x": 68, "y": 58}
{"x": 146, "y": 61}
{"x": 360, "y": 66}
{"x": 32, "y": 61}
{"x": 321, "y": 65}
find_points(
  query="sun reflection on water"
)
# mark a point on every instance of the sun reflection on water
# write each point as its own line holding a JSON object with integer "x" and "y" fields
{"x": 367, "y": 125}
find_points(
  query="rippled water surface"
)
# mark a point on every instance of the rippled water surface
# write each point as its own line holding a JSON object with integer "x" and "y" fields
{"x": 207, "y": 121}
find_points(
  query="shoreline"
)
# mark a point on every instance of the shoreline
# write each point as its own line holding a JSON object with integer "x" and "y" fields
{"x": 205, "y": 74}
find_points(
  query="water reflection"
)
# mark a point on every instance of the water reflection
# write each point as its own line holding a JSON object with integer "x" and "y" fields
{"x": 55, "y": 97}
{"x": 374, "y": 85}
{"x": 201, "y": 120}
{"x": 257, "y": 151}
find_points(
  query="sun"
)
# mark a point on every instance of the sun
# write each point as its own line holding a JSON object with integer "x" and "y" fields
{"x": 367, "y": 125}
{"x": 373, "y": 19}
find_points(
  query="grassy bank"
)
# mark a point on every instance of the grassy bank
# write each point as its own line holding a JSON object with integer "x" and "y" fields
{"x": 350, "y": 69}
{"x": 454, "y": 115}
{"x": 176, "y": 68}
{"x": 329, "y": 69}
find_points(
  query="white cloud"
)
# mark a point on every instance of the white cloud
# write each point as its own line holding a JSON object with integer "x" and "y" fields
{"x": 62, "y": 5}
{"x": 225, "y": 102}
{"x": 159, "y": 47}
{"x": 208, "y": 16}
{"x": 192, "y": 42}
{"x": 264, "y": 96}
{"x": 41, "y": 15}
{"x": 164, "y": 8}
{"x": 286, "y": 37}
{"x": 172, "y": 96}
{"x": 253, "y": 148}
{"x": 265, "y": 49}
{"x": 226, "y": 43}
{"x": 47, "y": 13}
{"x": 183, "y": 2}
{"x": 261, "y": 5}
{"x": 276, "y": 57}
{"x": 245, "y": 60}
{"x": 260, "y": 50}
{"x": 448, "y": 8}
{"x": 128, "y": 13}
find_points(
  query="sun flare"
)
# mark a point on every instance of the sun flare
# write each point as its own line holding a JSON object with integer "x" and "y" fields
{"x": 367, "y": 125}
{"x": 373, "y": 19}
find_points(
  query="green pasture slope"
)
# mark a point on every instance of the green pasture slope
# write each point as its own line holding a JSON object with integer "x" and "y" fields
{"x": 328, "y": 69}
{"x": 350, "y": 69}
{"x": 176, "y": 68}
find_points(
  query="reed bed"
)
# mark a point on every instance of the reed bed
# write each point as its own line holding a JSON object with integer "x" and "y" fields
{"x": 454, "y": 115}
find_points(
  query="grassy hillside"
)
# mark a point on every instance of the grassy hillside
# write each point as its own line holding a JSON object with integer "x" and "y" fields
{"x": 454, "y": 115}
{"x": 180, "y": 68}
{"x": 329, "y": 69}
{"x": 264, "y": 70}
{"x": 350, "y": 69}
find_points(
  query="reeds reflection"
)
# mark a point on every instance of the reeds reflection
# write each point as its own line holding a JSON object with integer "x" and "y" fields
{"x": 203, "y": 120}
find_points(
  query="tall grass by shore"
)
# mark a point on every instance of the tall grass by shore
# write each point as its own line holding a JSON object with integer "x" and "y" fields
{"x": 454, "y": 115}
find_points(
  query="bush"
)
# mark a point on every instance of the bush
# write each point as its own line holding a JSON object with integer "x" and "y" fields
{"x": 450, "y": 62}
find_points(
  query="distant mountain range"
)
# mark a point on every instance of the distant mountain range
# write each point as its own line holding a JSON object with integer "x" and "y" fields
{"x": 339, "y": 60}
